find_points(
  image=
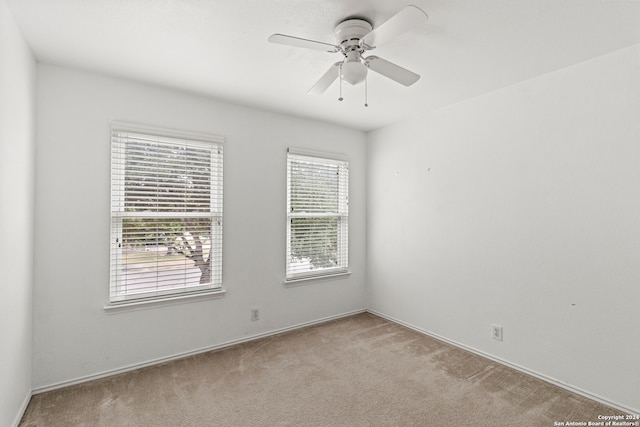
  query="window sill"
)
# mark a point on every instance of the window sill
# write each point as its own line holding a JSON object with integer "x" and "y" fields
{"x": 159, "y": 302}
{"x": 311, "y": 279}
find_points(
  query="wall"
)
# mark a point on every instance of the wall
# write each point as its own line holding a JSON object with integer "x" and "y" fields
{"x": 74, "y": 337}
{"x": 17, "y": 139}
{"x": 519, "y": 208}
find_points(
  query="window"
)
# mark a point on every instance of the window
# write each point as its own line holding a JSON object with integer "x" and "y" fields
{"x": 166, "y": 213}
{"x": 317, "y": 215}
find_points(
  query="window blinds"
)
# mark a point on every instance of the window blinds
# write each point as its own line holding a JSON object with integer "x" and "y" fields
{"x": 317, "y": 216}
{"x": 166, "y": 215}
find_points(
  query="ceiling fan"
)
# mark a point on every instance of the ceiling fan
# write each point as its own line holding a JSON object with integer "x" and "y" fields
{"x": 354, "y": 37}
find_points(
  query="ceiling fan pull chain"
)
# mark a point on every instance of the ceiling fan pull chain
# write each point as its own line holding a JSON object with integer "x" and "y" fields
{"x": 366, "y": 101}
{"x": 340, "y": 77}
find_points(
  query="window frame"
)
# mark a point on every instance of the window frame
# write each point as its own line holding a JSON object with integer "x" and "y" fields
{"x": 342, "y": 215}
{"x": 210, "y": 142}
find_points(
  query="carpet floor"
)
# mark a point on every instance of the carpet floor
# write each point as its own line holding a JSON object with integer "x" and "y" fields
{"x": 360, "y": 370}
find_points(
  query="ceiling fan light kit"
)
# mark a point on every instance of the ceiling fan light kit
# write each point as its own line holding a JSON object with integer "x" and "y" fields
{"x": 354, "y": 37}
{"x": 353, "y": 70}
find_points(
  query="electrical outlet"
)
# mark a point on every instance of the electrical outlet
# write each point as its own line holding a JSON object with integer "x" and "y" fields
{"x": 255, "y": 314}
{"x": 496, "y": 332}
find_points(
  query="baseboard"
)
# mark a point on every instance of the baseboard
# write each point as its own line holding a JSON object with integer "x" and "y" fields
{"x": 160, "y": 360}
{"x": 231, "y": 343}
{"x": 519, "y": 368}
{"x": 22, "y": 409}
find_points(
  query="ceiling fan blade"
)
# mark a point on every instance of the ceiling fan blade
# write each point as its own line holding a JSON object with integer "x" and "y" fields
{"x": 408, "y": 18}
{"x": 325, "y": 81}
{"x": 299, "y": 42}
{"x": 392, "y": 71}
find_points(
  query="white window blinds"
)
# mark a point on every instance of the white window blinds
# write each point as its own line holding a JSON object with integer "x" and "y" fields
{"x": 166, "y": 214}
{"x": 317, "y": 216}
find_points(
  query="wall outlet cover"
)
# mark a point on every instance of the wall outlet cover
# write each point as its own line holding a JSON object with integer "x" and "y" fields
{"x": 496, "y": 332}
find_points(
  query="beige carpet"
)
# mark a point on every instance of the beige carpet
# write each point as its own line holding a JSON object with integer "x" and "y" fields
{"x": 357, "y": 371}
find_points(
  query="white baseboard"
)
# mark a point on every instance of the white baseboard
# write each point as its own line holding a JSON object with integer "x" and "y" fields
{"x": 133, "y": 367}
{"x": 522, "y": 369}
{"x": 22, "y": 409}
{"x": 160, "y": 360}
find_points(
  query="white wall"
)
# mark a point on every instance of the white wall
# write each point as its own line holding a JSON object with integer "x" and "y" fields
{"x": 519, "y": 208}
{"x": 73, "y": 336}
{"x": 17, "y": 139}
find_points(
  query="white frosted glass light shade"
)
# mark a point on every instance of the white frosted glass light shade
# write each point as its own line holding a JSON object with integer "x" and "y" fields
{"x": 353, "y": 72}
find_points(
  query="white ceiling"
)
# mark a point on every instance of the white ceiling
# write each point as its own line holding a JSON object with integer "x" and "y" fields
{"x": 219, "y": 48}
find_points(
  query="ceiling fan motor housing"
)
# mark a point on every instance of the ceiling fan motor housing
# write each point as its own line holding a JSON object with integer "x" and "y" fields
{"x": 349, "y": 33}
